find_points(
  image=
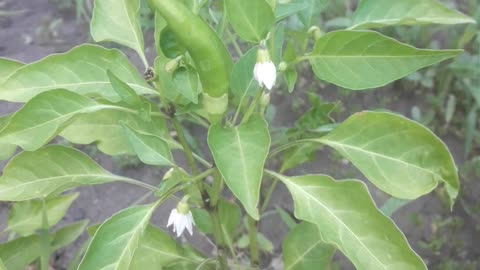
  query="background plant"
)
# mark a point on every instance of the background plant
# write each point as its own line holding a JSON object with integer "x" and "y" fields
{"x": 151, "y": 141}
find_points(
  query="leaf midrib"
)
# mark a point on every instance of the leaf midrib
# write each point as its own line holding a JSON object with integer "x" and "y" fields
{"x": 34, "y": 182}
{"x": 341, "y": 223}
{"x": 299, "y": 258}
{"x": 343, "y": 146}
{"x": 243, "y": 164}
{"x": 134, "y": 236}
{"x": 135, "y": 85}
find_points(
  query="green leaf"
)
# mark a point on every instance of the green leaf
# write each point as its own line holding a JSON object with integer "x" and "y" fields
{"x": 126, "y": 93}
{"x": 311, "y": 15}
{"x": 26, "y": 217}
{"x": 401, "y": 157}
{"x": 49, "y": 170}
{"x": 346, "y": 217}
{"x": 151, "y": 149}
{"x": 2, "y": 266}
{"x": 42, "y": 117}
{"x": 242, "y": 82}
{"x": 289, "y": 8}
{"x": 202, "y": 220}
{"x": 82, "y": 70}
{"x": 304, "y": 249}
{"x": 66, "y": 235}
{"x": 298, "y": 155}
{"x": 160, "y": 24}
{"x": 114, "y": 243}
{"x": 392, "y": 205}
{"x": 116, "y": 20}
{"x": 19, "y": 253}
{"x": 264, "y": 243}
{"x": 251, "y": 19}
{"x": 169, "y": 44}
{"x": 286, "y": 217}
{"x": 360, "y": 60}
{"x": 291, "y": 76}
{"x": 230, "y": 216}
{"x": 104, "y": 128}
{"x": 167, "y": 85}
{"x": 380, "y": 13}
{"x": 6, "y": 150}
{"x": 240, "y": 153}
{"x": 8, "y": 67}
{"x": 157, "y": 249}
{"x": 185, "y": 80}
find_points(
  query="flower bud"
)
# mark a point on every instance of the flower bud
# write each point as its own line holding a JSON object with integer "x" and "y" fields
{"x": 173, "y": 64}
{"x": 265, "y": 99}
{"x": 315, "y": 32}
{"x": 282, "y": 66}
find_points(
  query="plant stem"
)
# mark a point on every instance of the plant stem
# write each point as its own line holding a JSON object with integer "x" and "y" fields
{"x": 234, "y": 42}
{"x": 137, "y": 183}
{"x": 268, "y": 196}
{"x": 252, "y": 237}
{"x": 217, "y": 234}
{"x": 252, "y": 107}
{"x": 186, "y": 149}
{"x": 45, "y": 239}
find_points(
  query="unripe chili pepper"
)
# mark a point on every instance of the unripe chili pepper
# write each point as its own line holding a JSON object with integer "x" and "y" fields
{"x": 211, "y": 57}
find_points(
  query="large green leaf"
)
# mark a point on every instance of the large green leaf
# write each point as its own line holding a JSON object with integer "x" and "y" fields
{"x": 82, "y": 70}
{"x": 240, "y": 153}
{"x": 251, "y": 19}
{"x": 67, "y": 234}
{"x": 26, "y": 217}
{"x": 311, "y": 15}
{"x": 242, "y": 82}
{"x": 51, "y": 169}
{"x": 230, "y": 216}
{"x": 8, "y": 67}
{"x": 360, "y": 60}
{"x": 116, "y": 20}
{"x": 380, "y": 13}
{"x": 288, "y": 8}
{"x": 398, "y": 155}
{"x": 6, "y": 150}
{"x": 104, "y": 128}
{"x": 42, "y": 117}
{"x": 151, "y": 149}
{"x": 347, "y": 217}
{"x": 157, "y": 249}
{"x": 115, "y": 241}
{"x": 19, "y": 253}
{"x": 304, "y": 249}
{"x": 2, "y": 265}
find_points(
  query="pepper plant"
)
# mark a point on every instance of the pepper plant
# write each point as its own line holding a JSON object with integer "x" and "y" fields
{"x": 217, "y": 65}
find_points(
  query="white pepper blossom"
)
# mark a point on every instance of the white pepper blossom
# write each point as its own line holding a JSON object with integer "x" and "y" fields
{"x": 265, "y": 72}
{"x": 181, "y": 218}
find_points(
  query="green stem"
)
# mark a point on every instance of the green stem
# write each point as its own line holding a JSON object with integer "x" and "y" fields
{"x": 45, "y": 239}
{"x": 186, "y": 149}
{"x": 137, "y": 183}
{"x": 284, "y": 147}
{"x": 217, "y": 234}
{"x": 252, "y": 107}
{"x": 240, "y": 104}
{"x": 268, "y": 196}
{"x": 252, "y": 237}
{"x": 234, "y": 42}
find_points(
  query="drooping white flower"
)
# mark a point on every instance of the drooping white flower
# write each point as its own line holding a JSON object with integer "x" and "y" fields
{"x": 181, "y": 218}
{"x": 265, "y": 72}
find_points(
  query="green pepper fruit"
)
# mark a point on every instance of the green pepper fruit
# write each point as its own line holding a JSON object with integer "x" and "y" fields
{"x": 211, "y": 57}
